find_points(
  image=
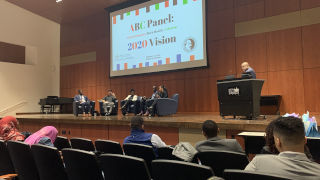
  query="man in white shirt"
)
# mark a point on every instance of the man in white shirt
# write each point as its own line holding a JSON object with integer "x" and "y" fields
{"x": 131, "y": 99}
{"x": 138, "y": 135}
{"x": 289, "y": 138}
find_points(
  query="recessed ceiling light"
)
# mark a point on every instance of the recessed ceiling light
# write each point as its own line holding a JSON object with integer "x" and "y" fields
{"x": 58, "y": 1}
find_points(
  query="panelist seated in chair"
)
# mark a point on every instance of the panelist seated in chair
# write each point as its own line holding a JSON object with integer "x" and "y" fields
{"x": 131, "y": 99}
{"x": 84, "y": 102}
{"x": 108, "y": 102}
{"x": 138, "y": 136}
{"x": 210, "y": 130}
{"x": 162, "y": 93}
{"x": 146, "y": 102}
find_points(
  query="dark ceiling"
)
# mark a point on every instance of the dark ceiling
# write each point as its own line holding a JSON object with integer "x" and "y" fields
{"x": 67, "y": 10}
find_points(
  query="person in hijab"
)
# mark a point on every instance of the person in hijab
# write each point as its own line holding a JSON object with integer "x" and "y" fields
{"x": 9, "y": 129}
{"x": 46, "y": 136}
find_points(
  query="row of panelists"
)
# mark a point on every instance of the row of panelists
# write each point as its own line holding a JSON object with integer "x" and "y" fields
{"x": 146, "y": 106}
{"x": 134, "y": 103}
{"x": 285, "y": 153}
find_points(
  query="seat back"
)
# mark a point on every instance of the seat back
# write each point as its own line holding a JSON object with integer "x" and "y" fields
{"x": 178, "y": 170}
{"x": 107, "y": 146}
{"x": 221, "y": 160}
{"x": 81, "y": 165}
{"x": 62, "y": 142}
{"x": 6, "y": 166}
{"x": 314, "y": 146}
{"x": 82, "y": 144}
{"x": 48, "y": 162}
{"x": 232, "y": 174}
{"x": 175, "y": 97}
{"x": 22, "y": 160}
{"x": 166, "y": 153}
{"x": 141, "y": 151}
{"x": 113, "y": 166}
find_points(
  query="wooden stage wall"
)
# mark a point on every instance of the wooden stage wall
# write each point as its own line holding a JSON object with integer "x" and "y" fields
{"x": 288, "y": 59}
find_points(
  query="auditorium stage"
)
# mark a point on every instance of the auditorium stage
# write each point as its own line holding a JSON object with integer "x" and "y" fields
{"x": 172, "y": 129}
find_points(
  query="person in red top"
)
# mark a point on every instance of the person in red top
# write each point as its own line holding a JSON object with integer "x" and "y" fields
{"x": 9, "y": 129}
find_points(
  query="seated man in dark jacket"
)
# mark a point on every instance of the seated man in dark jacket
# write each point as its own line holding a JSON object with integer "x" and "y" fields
{"x": 210, "y": 130}
{"x": 84, "y": 102}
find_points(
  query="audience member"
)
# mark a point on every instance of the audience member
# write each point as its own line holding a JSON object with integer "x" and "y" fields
{"x": 84, "y": 102}
{"x": 131, "y": 99}
{"x": 292, "y": 162}
{"x": 9, "y": 129}
{"x": 138, "y": 135}
{"x": 108, "y": 102}
{"x": 46, "y": 136}
{"x": 270, "y": 147}
{"x": 210, "y": 130}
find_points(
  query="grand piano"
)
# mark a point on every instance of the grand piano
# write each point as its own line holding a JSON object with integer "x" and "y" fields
{"x": 51, "y": 102}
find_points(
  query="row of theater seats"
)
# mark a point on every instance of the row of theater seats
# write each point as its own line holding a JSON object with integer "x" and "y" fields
{"x": 45, "y": 163}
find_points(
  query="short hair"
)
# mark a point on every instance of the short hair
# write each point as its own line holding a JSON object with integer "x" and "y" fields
{"x": 136, "y": 122}
{"x": 210, "y": 128}
{"x": 109, "y": 90}
{"x": 132, "y": 90}
{"x": 290, "y": 130}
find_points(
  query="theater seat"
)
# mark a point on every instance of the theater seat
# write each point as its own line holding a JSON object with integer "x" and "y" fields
{"x": 221, "y": 160}
{"x": 48, "y": 162}
{"x": 6, "y": 166}
{"x": 22, "y": 160}
{"x": 166, "y": 153}
{"x": 107, "y": 146}
{"x": 247, "y": 175}
{"x": 121, "y": 167}
{"x": 81, "y": 165}
{"x": 82, "y": 144}
{"x": 178, "y": 170}
{"x": 141, "y": 151}
{"x": 61, "y": 142}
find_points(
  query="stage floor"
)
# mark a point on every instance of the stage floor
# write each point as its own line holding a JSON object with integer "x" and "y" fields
{"x": 180, "y": 120}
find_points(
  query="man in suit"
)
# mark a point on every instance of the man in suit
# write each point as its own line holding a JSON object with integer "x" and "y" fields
{"x": 248, "y": 70}
{"x": 210, "y": 130}
{"x": 292, "y": 162}
{"x": 83, "y": 101}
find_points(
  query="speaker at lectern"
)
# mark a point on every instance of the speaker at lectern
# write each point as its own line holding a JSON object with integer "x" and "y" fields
{"x": 240, "y": 97}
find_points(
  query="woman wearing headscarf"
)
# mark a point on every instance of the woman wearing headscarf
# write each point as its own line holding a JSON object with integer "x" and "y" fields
{"x": 46, "y": 136}
{"x": 9, "y": 129}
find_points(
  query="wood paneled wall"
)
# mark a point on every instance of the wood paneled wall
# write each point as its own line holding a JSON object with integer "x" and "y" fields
{"x": 287, "y": 59}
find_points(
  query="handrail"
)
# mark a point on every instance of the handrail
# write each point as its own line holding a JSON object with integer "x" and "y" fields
{"x": 13, "y": 107}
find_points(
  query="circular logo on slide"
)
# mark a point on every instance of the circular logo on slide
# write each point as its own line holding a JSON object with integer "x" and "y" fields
{"x": 189, "y": 44}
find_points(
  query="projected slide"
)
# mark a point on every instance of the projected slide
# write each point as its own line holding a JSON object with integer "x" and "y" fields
{"x": 168, "y": 35}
